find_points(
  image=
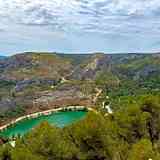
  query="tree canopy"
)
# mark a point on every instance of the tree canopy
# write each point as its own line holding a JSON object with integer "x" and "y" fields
{"x": 131, "y": 133}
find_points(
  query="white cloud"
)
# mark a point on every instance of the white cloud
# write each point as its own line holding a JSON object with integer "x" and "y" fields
{"x": 126, "y": 18}
{"x": 76, "y": 13}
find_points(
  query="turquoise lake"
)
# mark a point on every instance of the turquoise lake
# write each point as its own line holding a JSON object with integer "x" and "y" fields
{"x": 59, "y": 119}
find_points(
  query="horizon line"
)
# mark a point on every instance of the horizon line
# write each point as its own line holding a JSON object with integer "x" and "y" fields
{"x": 79, "y": 53}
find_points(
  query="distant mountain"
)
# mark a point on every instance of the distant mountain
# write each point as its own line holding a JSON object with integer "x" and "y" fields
{"x": 132, "y": 66}
{"x": 54, "y": 66}
{"x": 2, "y": 57}
{"x": 34, "y": 65}
{"x": 53, "y": 79}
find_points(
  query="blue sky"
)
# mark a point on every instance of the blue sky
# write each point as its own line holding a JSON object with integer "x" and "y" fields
{"x": 79, "y": 26}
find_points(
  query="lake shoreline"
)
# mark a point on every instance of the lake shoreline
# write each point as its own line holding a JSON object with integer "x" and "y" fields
{"x": 45, "y": 113}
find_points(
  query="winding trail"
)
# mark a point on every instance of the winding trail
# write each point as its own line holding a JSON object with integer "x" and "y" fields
{"x": 99, "y": 91}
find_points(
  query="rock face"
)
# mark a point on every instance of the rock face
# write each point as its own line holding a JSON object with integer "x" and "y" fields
{"x": 45, "y": 80}
{"x": 89, "y": 68}
{"x": 61, "y": 98}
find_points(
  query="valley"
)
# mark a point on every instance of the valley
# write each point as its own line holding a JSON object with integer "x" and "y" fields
{"x": 120, "y": 91}
{"x": 32, "y": 82}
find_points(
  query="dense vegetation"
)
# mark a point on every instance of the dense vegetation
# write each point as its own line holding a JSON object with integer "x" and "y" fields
{"x": 131, "y": 133}
{"x": 130, "y": 85}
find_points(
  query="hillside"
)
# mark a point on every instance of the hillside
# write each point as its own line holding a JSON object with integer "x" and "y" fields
{"x": 131, "y": 133}
{"x": 34, "y": 65}
{"x": 80, "y": 66}
{"x": 37, "y": 81}
{"x": 129, "y": 84}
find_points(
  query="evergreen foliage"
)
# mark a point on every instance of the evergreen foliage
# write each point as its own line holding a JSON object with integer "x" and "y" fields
{"x": 131, "y": 133}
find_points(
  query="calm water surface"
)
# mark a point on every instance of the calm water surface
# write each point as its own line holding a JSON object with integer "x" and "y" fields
{"x": 59, "y": 119}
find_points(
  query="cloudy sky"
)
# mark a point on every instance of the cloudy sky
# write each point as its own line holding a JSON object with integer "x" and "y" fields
{"x": 79, "y": 26}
